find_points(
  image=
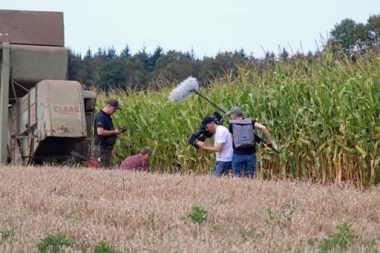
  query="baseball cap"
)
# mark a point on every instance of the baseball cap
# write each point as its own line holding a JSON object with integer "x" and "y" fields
{"x": 235, "y": 110}
{"x": 114, "y": 103}
{"x": 206, "y": 120}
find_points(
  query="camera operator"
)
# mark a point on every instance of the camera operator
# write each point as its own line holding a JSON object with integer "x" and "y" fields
{"x": 222, "y": 145}
{"x": 105, "y": 134}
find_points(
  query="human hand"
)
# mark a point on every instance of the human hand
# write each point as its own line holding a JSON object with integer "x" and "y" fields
{"x": 118, "y": 131}
{"x": 200, "y": 144}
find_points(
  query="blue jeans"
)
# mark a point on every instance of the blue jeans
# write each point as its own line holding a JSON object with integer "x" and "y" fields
{"x": 221, "y": 168}
{"x": 248, "y": 161}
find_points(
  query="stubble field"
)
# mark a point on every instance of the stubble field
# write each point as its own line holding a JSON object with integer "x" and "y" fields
{"x": 118, "y": 211}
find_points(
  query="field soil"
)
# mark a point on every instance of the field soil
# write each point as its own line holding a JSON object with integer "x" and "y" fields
{"x": 142, "y": 212}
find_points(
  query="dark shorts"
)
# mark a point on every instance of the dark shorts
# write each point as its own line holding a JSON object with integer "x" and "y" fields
{"x": 103, "y": 156}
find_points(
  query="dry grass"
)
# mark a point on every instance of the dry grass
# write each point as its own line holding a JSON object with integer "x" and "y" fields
{"x": 140, "y": 212}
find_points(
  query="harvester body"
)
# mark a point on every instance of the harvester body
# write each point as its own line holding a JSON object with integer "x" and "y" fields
{"x": 44, "y": 117}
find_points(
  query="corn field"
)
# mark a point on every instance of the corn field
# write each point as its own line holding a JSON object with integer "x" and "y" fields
{"x": 324, "y": 117}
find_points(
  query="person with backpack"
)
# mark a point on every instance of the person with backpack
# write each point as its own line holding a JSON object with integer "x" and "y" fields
{"x": 243, "y": 139}
{"x": 222, "y": 145}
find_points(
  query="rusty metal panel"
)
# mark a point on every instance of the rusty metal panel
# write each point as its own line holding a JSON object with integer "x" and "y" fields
{"x": 26, "y": 112}
{"x": 60, "y": 109}
{"x": 31, "y": 64}
{"x": 42, "y": 28}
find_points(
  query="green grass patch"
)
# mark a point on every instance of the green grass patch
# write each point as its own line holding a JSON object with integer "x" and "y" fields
{"x": 198, "y": 215}
{"x": 54, "y": 243}
{"x": 341, "y": 240}
{"x": 104, "y": 247}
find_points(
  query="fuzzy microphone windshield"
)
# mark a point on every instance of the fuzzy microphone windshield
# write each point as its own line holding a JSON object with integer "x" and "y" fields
{"x": 184, "y": 89}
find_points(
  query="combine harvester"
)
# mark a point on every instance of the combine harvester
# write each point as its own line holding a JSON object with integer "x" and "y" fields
{"x": 44, "y": 118}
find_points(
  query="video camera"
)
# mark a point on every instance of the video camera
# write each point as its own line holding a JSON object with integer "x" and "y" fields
{"x": 201, "y": 134}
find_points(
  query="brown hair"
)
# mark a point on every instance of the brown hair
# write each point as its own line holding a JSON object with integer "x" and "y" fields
{"x": 145, "y": 151}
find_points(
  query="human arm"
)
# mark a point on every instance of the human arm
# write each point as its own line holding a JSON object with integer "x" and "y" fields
{"x": 104, "y": 126}
{"x": 207, "y": 146}
{"x": 266, "y": 133}
{"x": 102, "y": 132}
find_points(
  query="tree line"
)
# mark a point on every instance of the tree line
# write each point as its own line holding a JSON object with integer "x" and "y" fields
{"x": 106, "y": 70}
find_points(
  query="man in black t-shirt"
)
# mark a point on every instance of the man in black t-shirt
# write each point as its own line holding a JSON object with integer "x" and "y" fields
{"x": 245, "y": 157}
{"x": 105, "y": 134}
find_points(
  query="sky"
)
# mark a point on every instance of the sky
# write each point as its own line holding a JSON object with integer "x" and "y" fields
{"x": 207, "y": 27}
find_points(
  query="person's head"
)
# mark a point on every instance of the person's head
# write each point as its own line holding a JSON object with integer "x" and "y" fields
{"x": 111, "y": 106}
{"x": 234, "y": 113}
{"x": 146, "y": 152}
{"x": 208, "y": 123}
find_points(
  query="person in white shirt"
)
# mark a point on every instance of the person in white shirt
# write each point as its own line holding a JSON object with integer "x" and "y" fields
{"x": 222, "y": 146}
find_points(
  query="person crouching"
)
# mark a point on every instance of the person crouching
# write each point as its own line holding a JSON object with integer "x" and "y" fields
{"x": 139, "y": 162}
